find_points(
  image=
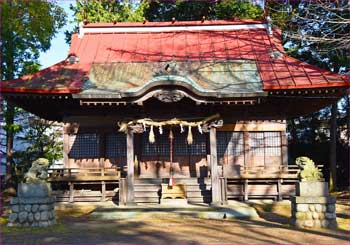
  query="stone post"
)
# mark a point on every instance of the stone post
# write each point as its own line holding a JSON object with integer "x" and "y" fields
{"x": 313, "y": 207}
{"x": 33, "y": 207}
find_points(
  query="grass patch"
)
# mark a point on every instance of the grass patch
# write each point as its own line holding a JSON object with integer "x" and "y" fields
{"x": 75, "y": 211}
{"x": 277, "y": 208}
{"x": 3, "y": 221}
{"x": 343, "y": 224}
{"x": 57, "y": 228}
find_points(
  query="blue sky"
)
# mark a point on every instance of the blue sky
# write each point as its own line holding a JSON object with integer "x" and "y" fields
{"x": 59, "y": 48}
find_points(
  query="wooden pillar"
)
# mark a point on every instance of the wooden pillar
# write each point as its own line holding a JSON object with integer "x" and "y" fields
{"x": 65, "y": 146}
{"x": 245, "y": 190}
{"x": 71, "y": 191}
{"x": 246, "y": 149}
{"x": 333, "y": 148}
{"x": 130, "y": 197}
{"x": 102, "y": 150}
{"x": 284, "y": 149}
{"x": 279, "y": 189}
{"x": 103, "y": 191}
{"x": 215, "y": 182}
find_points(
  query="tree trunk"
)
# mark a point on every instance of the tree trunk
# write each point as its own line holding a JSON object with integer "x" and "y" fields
{"x": 9, "y": 117}
{"x": 333, "y": 148}
{"x": 348, "y": 134}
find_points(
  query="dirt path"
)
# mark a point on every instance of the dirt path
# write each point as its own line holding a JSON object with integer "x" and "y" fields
{"x": 170, "y": 230}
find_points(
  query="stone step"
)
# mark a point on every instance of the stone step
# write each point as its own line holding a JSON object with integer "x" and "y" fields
{"x": 205, "y": 199}
{"x": 197, "y": 188}
{"x": 197, "y": 194}
{"x": 177, "y": 181}
{"x": 147, "y": 199}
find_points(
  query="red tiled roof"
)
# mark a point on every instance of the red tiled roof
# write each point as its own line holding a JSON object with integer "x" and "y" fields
{"x": 244, "y": 44}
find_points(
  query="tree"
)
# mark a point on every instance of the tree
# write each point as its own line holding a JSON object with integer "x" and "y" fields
{"x": 40, "y": 139}
{"x": 106, "y": 11}
{"x": 317, "y": 32}
{"x": 27, "y": 28}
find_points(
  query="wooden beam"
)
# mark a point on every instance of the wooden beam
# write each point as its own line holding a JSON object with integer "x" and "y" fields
{"x": 284, "y": 150}
{"x": 130, "y": 198}
{"x": 215, "y": 182}
{"x": 254, "y": 126}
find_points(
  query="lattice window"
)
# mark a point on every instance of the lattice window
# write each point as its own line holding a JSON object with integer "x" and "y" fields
{"x": 265, "y": 143}
{"x": 197, "y": 148}
{"x": 84, "y": 145}
{"x": 159, "y": 148}
{"x": 180, "y": 145}
{"x": 257, "y": 144}
{"x": 116, "y": 145}
{"x": 230, "y": 143}
{"x": 272, "y": 143}
{"x": 199, "y": 145}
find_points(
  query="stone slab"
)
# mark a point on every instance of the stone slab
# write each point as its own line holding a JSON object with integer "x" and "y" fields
{"x": 313, "y": 200}
{"x": 311, "y": 189}
{"x": 31, "y": 190}
{"x": 173, "y": 202}
{"x": 33, "y": 200}
{"x": 242, "y": 212}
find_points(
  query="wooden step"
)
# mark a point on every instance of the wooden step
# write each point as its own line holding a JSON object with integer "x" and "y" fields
{"x": 146, "y": 194}
{"x": 146, "y": 188}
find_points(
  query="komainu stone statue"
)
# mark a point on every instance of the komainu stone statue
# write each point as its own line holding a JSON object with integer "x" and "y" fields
{"x": 34, "y": 206}
{"x": 309, "y": 171}
{"x": 38, "y": 172}
{"x": 312, "y": 206}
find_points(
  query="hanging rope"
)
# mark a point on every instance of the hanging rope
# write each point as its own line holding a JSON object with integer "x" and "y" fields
{"x": 189, "y": 136}
{"x": 149, "y": 122}
{"x": 146, "y": 122}
{"x": 151, "y": 137}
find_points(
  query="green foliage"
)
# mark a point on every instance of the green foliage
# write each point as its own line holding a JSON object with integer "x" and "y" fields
{"x": 95, "y": 11}
{"x": 238, "y": 9}
{"x": 109, "y": 11}
{"x": 180, "y": 10}
{"x": 282, "y": 14}
{"x": 43, "y": 140}
{"x": 157, "y": 10}
{"x": 27, "y": 29}
{"x": 309, "y": 171}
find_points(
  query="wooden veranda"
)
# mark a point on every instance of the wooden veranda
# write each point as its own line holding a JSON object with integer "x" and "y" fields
{"x": 109, "y": 184}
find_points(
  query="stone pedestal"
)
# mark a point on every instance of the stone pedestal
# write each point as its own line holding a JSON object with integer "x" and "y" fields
{"x": 33, "y": 207}
{"x": 310, "y": 209}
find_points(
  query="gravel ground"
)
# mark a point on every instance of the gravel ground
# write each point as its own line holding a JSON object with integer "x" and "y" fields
{"x": 169, "y": 229}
